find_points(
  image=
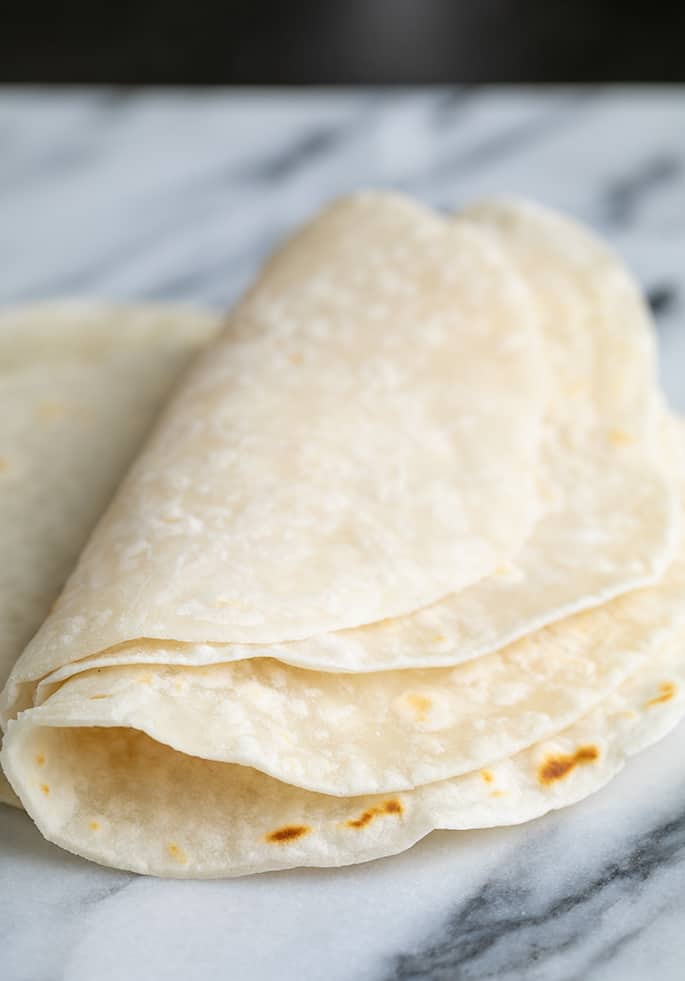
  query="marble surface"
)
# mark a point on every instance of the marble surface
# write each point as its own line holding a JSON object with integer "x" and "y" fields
{"x": 177, "y": 196}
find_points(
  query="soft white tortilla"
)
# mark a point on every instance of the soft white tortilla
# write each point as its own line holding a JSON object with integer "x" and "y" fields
{"x": 362, "y": 439}
{"x": 610, "y": 520}
{"x": 379, "y": 732}
{"x": 80, "y": 384}
{"x": 96, "y": 782}
{"x": 118, "y": 797}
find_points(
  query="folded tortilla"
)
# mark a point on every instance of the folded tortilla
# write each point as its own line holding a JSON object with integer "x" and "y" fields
{"x": 80, "y": 384}
{"x": 129, "y": 801}
{"x": 124, "y": 767}
{"x": 336, "y": 458}
{"x": 317, "y": 478}
{"x": 378, "y": 732}
{"x": 600, "y": 445}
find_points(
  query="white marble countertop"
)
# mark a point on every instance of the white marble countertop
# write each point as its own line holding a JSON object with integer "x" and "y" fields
{"x": 176, "y": 196}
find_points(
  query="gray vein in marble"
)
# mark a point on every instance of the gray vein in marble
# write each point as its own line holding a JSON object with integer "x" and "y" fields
{"x": 492, "y": 934}
{"x": 662, "y": 299}
{"x": 520, "y": 136}
{"x": 74, "y": 150}
{"x": 625, "y": 195}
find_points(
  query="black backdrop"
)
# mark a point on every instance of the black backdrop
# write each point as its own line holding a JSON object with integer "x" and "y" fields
{"x": 341, "y": 41}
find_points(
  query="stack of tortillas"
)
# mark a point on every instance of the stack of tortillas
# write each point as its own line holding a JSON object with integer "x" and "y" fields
{"x": 403, "y": 550}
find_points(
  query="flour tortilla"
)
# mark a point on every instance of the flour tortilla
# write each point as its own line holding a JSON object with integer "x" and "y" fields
{"x": 80, "y": 384}
{"x": 610, "y": 519}
{"x": 363, "y": 439}
{"x": 382, "y": 731}
{"x": 116, "y": 796}
{"x": 585, "y": 552}
{"x": 599, "y": 448}
{"x": 96, "y": 782}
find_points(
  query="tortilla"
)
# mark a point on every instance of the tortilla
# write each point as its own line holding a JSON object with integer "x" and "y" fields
{"x": 362, "y": 439}
{"x": 383, "y": 731}
{"x": 600, "y": 446}
{"x": 116, "y": 796}
{"x": 80, "y": 384}
{"x": 135, "y": 765}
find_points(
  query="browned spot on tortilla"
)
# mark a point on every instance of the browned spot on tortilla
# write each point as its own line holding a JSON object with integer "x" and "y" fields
{"x": 393, "y": 807}
{"x": 558, "y": 767}
{"x": 666, "y": 692}
{"x": 94, "y": 698}
{"x": 291, "y": 832}
{"x": 487, "y": 776}
{"x": 621, "y": 437}
{"x": 176, "y": 852}
{"x": 40, "y": 759}
{"x": 439, "y": 639}
{"x": 94, "y": 825}
{"x": 364, "y": 818}
{"x": 497, "y": 793}
{"x": 4, "y": 465}
{"x": 387, "y": 807}
{"x": 296, "y": 358}
{"x": 144, "y": 679}
{"x": 44, "y": 787}
{"x": 420, "y": 704}
{"x": 503, "y": 570}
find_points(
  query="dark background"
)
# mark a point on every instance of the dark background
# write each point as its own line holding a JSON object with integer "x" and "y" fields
{"x": 341, "y": 41}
